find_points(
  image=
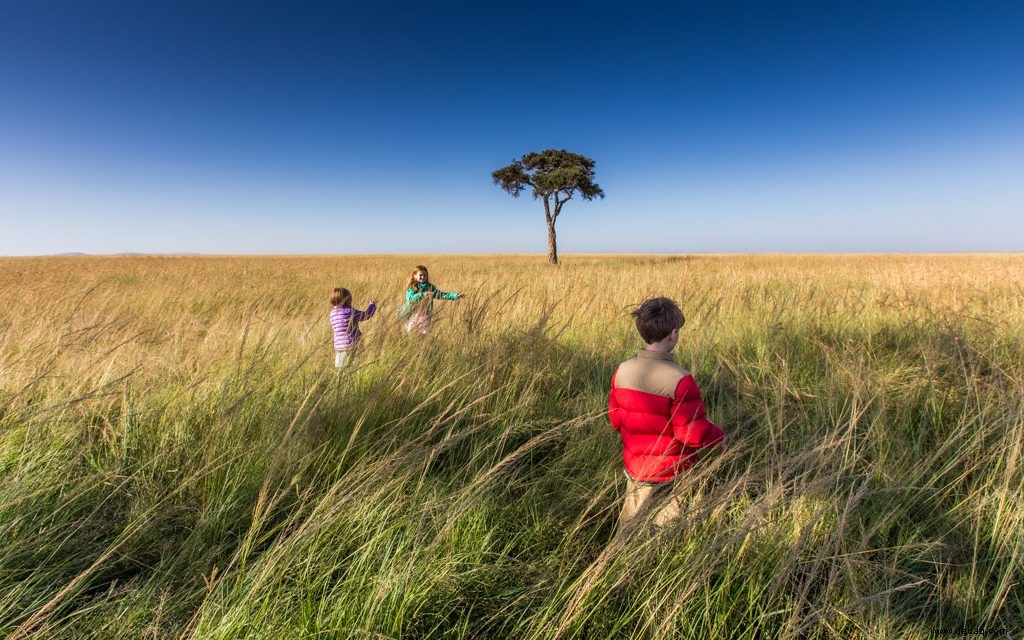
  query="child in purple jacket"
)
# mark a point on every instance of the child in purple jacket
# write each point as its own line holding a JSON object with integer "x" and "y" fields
{"x": 345, "y": 323}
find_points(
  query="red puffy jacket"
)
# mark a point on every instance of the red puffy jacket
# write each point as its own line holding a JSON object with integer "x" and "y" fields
{"x": 656, "y": 407}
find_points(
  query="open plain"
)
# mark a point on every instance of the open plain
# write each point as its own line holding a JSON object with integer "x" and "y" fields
{"x": 180, "y": 459}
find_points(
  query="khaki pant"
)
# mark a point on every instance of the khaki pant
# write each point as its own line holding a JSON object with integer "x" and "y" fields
{"x": 644, "y": 498}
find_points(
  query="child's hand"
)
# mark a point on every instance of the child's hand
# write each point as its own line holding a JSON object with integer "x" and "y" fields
{"x": 374, "y": 301}
{"x": 460, "y": 295}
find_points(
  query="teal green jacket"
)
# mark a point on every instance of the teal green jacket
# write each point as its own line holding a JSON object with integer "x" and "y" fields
{"x": 415, "y": 295}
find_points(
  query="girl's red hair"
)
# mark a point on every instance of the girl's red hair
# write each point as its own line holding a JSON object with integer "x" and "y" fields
{"x": 412, "y": 278}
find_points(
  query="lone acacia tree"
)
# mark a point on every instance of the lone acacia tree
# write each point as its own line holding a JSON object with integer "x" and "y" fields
{"x": 555, "y": 175}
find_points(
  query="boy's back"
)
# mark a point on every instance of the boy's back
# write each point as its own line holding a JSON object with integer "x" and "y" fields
{"x": 656, "y": 407}
{"x": 648, "y": 374}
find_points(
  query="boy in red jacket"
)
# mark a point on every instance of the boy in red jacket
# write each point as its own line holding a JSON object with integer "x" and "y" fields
{"x": 656, "y": 407}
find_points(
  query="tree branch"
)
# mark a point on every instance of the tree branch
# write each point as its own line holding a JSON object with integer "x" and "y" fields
{"x": 559, "y": 203}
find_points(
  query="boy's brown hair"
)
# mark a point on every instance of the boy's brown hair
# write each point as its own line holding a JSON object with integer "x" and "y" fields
{"x": 656, "y": 318}
{"x": 341, "y": 296}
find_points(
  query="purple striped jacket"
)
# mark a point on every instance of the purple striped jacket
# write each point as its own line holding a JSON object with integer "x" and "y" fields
{"x": 345, "y": 324}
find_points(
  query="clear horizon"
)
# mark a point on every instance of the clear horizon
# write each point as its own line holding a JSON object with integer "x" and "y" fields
{"x": 251, "y": 128}
{"x": 186, "y": 254}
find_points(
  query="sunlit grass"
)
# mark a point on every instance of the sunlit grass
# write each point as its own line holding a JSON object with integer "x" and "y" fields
{"x": 179, "y": 458}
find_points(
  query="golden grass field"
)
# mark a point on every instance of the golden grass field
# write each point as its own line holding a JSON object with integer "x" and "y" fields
{"x": 180, "y": 459}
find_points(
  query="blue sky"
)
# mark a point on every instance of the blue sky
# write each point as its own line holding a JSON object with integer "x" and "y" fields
{"x": 323, "y": 127}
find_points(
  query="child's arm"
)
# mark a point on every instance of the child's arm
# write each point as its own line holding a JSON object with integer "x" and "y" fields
{"x": 689, "y": 421}
{"x": 613, "y": 408}
{"x": 366, "y": 315}
{"x": 447, "y": 295}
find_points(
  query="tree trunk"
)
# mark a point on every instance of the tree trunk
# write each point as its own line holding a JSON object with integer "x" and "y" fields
{"x": 552, "y": 246}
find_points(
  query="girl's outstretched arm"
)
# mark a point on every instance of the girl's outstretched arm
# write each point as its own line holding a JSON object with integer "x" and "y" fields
{"x": 446, "y": 295}
{"x": 366, "y": 315}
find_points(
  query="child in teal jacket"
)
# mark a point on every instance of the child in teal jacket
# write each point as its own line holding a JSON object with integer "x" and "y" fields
{"x": 419, "y": 301}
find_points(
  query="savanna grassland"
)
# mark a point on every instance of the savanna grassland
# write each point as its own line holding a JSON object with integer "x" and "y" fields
{"x": 180, "y": 459}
